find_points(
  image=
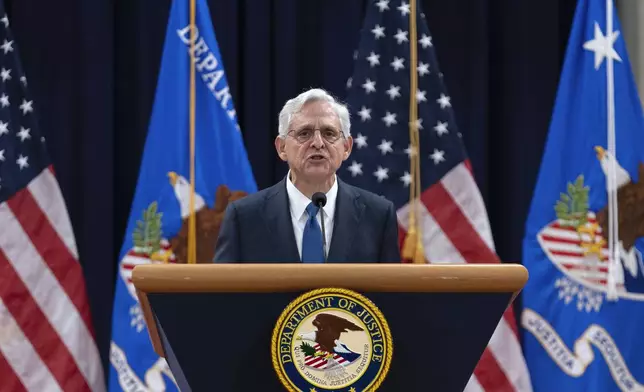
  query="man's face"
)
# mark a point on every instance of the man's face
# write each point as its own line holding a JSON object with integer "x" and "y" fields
{"x": 314, "y": 146}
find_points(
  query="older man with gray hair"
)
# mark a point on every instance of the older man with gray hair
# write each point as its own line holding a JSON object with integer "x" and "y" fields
{"x": 311, "y": 216}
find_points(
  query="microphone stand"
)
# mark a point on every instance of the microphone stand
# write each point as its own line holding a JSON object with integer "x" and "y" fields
{"x": 323, "y": 233}
{"x": 319, "y": 199}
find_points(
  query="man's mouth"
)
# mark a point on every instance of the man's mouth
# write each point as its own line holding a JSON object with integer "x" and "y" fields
{"x": 317, "y": 157}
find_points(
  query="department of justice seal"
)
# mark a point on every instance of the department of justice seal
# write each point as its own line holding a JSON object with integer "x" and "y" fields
{"x": 331, "y": 340}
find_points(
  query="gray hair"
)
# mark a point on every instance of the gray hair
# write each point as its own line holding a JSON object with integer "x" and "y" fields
{"x": 294, "y": 105}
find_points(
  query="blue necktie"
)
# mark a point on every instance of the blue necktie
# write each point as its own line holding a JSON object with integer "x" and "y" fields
{"x": 312, "y": 245}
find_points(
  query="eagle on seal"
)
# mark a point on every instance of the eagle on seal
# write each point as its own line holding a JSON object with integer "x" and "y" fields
{"x": 208, "y": 220}
{"x": 630, "y": 215}
{"x": 329, "y": 328}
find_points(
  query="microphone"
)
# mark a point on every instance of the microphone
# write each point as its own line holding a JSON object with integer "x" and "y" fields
{"x": 319, "y": 199}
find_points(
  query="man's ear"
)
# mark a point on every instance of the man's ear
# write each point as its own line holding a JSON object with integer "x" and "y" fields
{"x": 348, "y": 146}
{"x": 280, "y": 147}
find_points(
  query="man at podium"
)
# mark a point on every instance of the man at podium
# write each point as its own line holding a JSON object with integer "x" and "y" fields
{"x": 311, "y": 215}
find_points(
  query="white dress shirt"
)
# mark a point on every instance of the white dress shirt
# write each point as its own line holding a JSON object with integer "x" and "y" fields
{"x": 299, "y": 216}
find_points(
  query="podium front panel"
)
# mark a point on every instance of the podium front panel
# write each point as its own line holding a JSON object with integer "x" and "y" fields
{"x": 223, "y": 340}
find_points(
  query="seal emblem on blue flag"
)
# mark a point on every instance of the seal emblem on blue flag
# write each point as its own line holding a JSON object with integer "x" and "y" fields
{"x": 584, "y": 302}
{"x": 331, "y": 339}
{"x": 158, "y": 225}
{"x": 577, "y": 245}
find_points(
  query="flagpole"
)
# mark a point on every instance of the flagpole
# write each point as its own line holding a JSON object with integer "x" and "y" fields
{"x": 613, "y": 229}
{"x": 413, "y": 246}
{"x": 192, "y": 224}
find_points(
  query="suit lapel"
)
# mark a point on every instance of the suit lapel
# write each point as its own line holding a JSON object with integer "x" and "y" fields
{"x": 348, "y": 213}
{"x": 278, "y": 220}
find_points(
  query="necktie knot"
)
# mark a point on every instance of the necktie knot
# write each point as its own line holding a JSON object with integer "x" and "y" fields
{"x": 312, "y": 210}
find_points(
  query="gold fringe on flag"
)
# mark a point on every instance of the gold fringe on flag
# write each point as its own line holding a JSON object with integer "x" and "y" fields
{"x": 192, "y": 223}
{"x": 413, "y": 244}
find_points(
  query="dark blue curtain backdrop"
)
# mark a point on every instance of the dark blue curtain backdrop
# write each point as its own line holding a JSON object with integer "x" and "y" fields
{"x": 92, "y": 67}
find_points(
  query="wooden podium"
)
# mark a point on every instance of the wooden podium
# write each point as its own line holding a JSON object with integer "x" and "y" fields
{"x": 216, "y": 324}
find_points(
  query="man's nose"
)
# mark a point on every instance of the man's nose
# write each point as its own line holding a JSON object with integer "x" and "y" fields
{"x": 318, "y": 141}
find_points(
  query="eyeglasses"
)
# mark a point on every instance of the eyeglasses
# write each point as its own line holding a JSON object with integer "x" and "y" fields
{"x": 304, "y": 135}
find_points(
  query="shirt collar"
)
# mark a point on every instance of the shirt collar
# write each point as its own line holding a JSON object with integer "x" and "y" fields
{"x": 298, "y": 201}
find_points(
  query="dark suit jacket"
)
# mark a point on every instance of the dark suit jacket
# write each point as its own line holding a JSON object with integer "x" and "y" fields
{"x": 258, "y": 228}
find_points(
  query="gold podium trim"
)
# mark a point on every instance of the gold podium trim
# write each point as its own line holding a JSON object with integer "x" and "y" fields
{"x": 294, "y": 277}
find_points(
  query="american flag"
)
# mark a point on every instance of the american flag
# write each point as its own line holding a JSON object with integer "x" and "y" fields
{"x": 46, "y": 336}
{"x": 452, "y": 215}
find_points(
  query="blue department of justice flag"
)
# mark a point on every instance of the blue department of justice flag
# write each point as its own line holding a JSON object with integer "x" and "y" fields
{"x": 158, "y": 224}
{"x": 584, "y": 301}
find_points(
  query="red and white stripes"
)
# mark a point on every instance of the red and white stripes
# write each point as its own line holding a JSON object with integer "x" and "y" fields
{"x": 455, "y": 229}
{"x": 46, "y": 337}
